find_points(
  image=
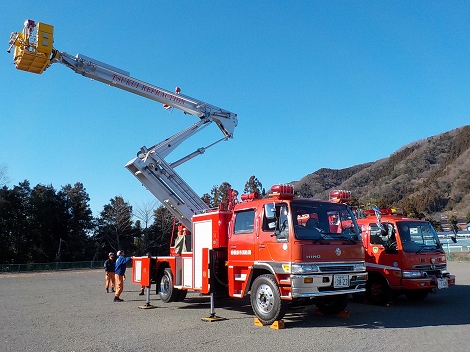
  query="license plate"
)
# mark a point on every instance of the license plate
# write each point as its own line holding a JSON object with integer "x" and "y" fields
{"x": 442, "y": 283}
{"x": 341, "y": 281}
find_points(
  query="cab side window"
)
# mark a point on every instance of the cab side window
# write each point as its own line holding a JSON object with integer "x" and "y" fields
{"x": 244, "y": 221}
{"x": 375, "y": 235}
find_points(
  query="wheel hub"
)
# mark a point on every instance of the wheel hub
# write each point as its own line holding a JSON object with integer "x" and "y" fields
{"x": 164, "y": 286}
{"x": 264, "y": 298}
{"x": 377, "y": 290}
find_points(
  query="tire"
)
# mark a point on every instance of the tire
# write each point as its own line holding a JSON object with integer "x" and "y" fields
{"x": 167, "y": 292}
{"x": 181, "y": 295}
{"x": 377, "y": 291}
{"x": 266, "y": 299}
{"x": 417, "y": 295}
{"x": 332, "y": 305}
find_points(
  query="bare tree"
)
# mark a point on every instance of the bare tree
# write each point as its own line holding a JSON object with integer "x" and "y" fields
{"x": 116, "y": 222}
{"x": 145, "y": 212}
{"x": 4, "y": 179}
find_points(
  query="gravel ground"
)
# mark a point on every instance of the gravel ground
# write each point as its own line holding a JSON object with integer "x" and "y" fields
{"x": 71, "y": 311}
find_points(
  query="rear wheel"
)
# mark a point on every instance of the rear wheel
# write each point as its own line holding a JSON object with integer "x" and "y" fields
{"x": 266, "y": 299}
{"x": 377, "y": 291}
{"x": 331, "y": 305}
{"x": 167, "y": 292}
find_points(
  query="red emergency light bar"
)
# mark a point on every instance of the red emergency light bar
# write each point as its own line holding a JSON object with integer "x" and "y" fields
{"x": 282, "y": 191}
{"x": 384, "y": 211}
{"x": 245, "y": 197}
{"x": 340, "y": 196}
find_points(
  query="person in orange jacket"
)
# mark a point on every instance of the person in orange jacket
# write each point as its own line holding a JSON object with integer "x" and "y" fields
{"x": 109, "y": 266}
{"x": 120, "y": 274}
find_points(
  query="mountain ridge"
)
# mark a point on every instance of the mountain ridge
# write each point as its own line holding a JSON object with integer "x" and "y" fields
{"x": 430, "y": 177}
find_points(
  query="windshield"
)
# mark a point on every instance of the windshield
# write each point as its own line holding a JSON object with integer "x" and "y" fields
{"x": 323, "y": 221}
{"x": 418, "y": 236}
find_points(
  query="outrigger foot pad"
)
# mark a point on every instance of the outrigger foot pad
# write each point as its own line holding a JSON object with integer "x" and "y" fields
{"x": 212, "y": 318}
{"x": 147, "y": 306}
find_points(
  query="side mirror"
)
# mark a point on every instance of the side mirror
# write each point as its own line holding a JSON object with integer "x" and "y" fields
{"x": 270, "y": 211}
{"x": 376, "y": 210}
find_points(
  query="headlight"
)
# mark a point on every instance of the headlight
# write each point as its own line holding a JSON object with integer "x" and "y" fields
{"x": 304, "y": 268}
{"x": 360, "y": 267}
{"x": 412, "y": 274}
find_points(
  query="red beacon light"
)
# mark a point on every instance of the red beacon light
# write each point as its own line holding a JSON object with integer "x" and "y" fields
{"x": 282, "y": 191}
{"x": 384, "y": 211}
{"x": 391, "y": 211}
{"x": 340, "y": 196}
{"x": 246, "y": 197}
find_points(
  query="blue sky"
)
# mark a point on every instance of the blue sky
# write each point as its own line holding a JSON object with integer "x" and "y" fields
{"x": 315, "y": 84}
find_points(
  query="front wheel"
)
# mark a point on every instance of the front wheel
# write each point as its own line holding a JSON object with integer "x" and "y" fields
{"x": 266, "y": 299}
{"x": 332, "y": 305}
{"x": 377, "y": 291}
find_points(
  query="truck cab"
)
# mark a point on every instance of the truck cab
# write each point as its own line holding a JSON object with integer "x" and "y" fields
{"x": 403, "y": 256}
{"x": 285, "y": 249}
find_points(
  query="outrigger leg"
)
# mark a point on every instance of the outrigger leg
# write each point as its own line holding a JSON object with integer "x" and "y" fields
{"x": 147, "y": 303}
{"x": 212, "y": 316}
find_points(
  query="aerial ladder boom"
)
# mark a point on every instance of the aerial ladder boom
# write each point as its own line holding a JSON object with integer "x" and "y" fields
{"x": 34, "y": 52}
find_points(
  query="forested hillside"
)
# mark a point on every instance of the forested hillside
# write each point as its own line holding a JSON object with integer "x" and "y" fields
{"x": 430, "y": 176}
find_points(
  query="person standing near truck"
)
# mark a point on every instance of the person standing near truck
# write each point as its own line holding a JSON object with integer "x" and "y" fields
{"x": 120, "y": 272}
{"x": 109, "y": 266}
{"x": 180, "y": 242}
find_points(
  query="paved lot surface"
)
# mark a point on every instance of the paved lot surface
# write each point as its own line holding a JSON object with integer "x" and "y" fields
{"x": 70, "y": 311}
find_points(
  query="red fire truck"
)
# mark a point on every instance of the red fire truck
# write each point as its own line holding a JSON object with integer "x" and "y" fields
{"x": 403, "y": 256}
{"x": 278, "y": 250}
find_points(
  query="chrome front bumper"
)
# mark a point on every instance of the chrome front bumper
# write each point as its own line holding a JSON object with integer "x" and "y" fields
{"x": 322, "y": 284}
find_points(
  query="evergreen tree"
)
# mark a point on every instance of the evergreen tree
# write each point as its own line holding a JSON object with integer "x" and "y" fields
{"x": 223, "y": 191}
{"x": 15, "y": 235}
{"x": 48, "y": 222}
{"x": 80, "y": 222}
{"x": 215, "y": 197}
{"x": 206, "y": 198}
{"x": 253, "y": 185}
{"x": 160, "y": 232}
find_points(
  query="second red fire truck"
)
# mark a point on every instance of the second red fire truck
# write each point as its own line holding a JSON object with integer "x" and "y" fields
{"x": 403, "y": 256}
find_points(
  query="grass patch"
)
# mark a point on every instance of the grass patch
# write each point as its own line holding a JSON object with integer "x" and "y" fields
{"x": 459, "y": 257}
